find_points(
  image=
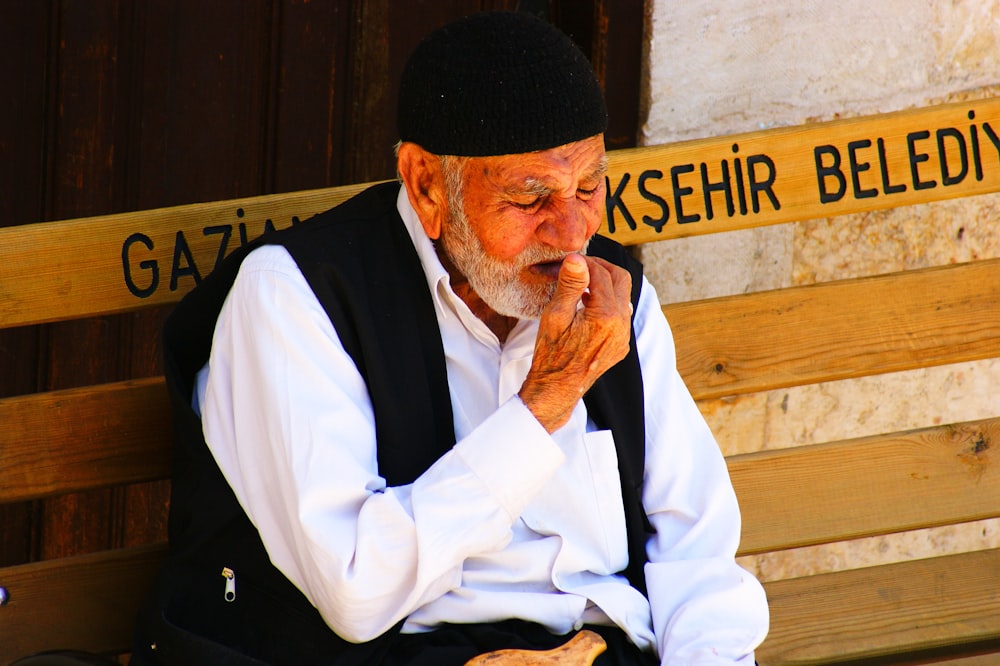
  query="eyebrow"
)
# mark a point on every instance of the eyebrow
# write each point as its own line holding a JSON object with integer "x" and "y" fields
{"x": 600, "y": 170}
{"x": 537, "y": 187}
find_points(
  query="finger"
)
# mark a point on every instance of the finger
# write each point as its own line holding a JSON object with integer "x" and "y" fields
{"x": 610, "y": 287}
{"x": 620, "y": 277}
{"x": 574, "y": 278}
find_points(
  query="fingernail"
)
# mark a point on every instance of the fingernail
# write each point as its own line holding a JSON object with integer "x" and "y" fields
{"x": 574, "y": 264}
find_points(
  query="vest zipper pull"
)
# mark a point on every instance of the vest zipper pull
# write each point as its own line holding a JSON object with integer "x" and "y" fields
{"x": 230, "y": 577}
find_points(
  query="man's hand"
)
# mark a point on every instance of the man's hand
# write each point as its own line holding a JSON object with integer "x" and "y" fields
{"x": 576, "y": 345}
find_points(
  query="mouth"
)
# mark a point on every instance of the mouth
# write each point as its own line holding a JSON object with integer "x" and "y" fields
{"x": 546, "y": 269}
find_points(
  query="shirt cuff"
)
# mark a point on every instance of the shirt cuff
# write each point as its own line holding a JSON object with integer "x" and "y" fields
{"x": 512, "y": 454}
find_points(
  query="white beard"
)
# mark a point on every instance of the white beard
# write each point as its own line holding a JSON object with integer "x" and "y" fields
{"x": 497, "y": 282}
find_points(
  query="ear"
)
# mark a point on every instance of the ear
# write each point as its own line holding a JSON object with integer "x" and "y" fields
{"x": 421, "y": 174}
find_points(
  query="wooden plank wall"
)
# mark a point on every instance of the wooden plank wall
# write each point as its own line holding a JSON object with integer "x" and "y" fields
{"x": 122, "y": 105}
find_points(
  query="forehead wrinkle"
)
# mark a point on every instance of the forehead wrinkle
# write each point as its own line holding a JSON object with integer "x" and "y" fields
{"x": 545, "y": 184}
{"x": 600, "y": 170}
{"x": 539, "y": 187}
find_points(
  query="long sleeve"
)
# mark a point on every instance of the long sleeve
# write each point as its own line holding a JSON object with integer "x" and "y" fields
{"x": 288, "y": 419}
{"x": 705, "y": 608}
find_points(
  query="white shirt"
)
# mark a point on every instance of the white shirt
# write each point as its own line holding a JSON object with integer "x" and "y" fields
{"x": 512, "y": 522}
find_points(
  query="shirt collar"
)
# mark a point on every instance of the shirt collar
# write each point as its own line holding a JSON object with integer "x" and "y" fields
{"x": 434, "y": 271}
{"x": 447, "y": 303}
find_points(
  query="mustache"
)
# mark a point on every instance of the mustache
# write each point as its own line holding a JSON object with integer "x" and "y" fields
{"x": 540, "y": 254}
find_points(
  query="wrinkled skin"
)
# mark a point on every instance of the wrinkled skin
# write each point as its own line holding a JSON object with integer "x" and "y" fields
{"x": 547, "y": 203}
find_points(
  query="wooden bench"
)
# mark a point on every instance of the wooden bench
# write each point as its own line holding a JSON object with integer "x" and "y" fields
{"x": 945, "y": 607}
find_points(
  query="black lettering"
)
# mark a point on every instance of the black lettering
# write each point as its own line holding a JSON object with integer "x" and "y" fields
{"x": 147, "y": 265}
{"x": 224, "y": 230}
{"x": 176, "y": 270}
{"x": 857, "y": 167}
{"x": 993, "y": 137}
{"x": 832, "y": 171}
{"x": 916, "y": 158}
{"x": 741, "y": 192}
{"x": 758, "y": 186}
{"x": 963, "y": 153}
{"x": 675, "y": 173}
{"x": 656, "y": 223}
{"x": 977, "y": 160}
{"x": 722, "y": 186}
{"x": 614, "y": 201}
{"x": 243, "y": 232}
{"x": 269, "y": 225}
{"x": 887, "y": 187}
{"x": 295, "y": 220}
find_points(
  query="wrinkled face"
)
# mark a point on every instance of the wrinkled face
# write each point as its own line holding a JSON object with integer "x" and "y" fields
{"x": 513, "y": 218}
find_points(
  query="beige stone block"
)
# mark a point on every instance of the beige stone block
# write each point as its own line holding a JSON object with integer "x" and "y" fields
{"x": 887, "y": 403}
{"x": 966, "y": 39}
{"x": 873, "y": 551}
{"x": 726, "y": 66}
{"x": 738, "y": 423}
{"x": 897, "y": 239}
{"x": 735, "y": 262}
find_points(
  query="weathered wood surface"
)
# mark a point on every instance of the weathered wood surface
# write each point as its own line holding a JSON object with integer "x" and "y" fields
{"x": 68, "y": 441}
{"x": 900, "y": 608}
{"x": 85, "y": 602}
{"x": 868, "y": 486}
{"x": 837, "y": 330}
{"x": 154, "y": 257}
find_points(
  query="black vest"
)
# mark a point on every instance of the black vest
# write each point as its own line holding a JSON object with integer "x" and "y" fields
{"x": 386, "y": 321}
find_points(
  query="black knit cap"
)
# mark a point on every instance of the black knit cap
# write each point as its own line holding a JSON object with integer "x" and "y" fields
{"x": 498, "y": 83}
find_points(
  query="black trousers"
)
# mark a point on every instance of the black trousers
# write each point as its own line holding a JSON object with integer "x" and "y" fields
{"x": 454, "y": 644}
{"x": 449, "y": 645}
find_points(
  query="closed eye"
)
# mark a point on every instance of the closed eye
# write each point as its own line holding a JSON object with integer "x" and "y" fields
{"x": 527, "y": 206}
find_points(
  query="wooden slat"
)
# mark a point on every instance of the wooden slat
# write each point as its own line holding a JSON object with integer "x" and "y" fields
{"x": 77, "y": 439}
{"x": 988, "y": 657}
{"x": 65, "y": 270}
{"x": 868, "y": 486}
{"x": 101, "y": 265}
{"x": 789, "y": 154}
{"x": 87, "y": 602}
{"x": 864, "y": 613}
{"x": 850, "y": 328}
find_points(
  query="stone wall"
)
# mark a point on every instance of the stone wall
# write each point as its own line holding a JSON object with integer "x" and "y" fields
{"x": 725, "y": 66}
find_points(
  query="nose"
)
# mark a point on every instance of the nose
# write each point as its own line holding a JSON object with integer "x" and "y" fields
{"x": 568, "y": 226}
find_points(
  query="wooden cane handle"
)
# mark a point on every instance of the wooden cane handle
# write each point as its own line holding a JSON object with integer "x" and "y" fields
{"x": 581, "y": 650}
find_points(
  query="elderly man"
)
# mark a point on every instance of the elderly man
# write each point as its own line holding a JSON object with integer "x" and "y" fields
{"x": 444, "y": 417}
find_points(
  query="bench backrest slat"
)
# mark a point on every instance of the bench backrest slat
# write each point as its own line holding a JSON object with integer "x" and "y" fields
{"x": 72, "y": 440}
{"x": 870, "y": 612}
{"x": 54, "y": 603}
{"x": 868, "y": 486}
{"x": 115, "y": 263}
{"x": 850, "y": 328}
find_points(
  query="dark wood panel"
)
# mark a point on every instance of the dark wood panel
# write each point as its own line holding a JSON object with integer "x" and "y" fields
{"x": 24, "y": 61}
{"x": 88, "y": 123}
{"x": 83, "y": 178}
{"x": 312, "y": 51}
{"x": 205, "y": 76}
{"x": 87, "y": 602}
